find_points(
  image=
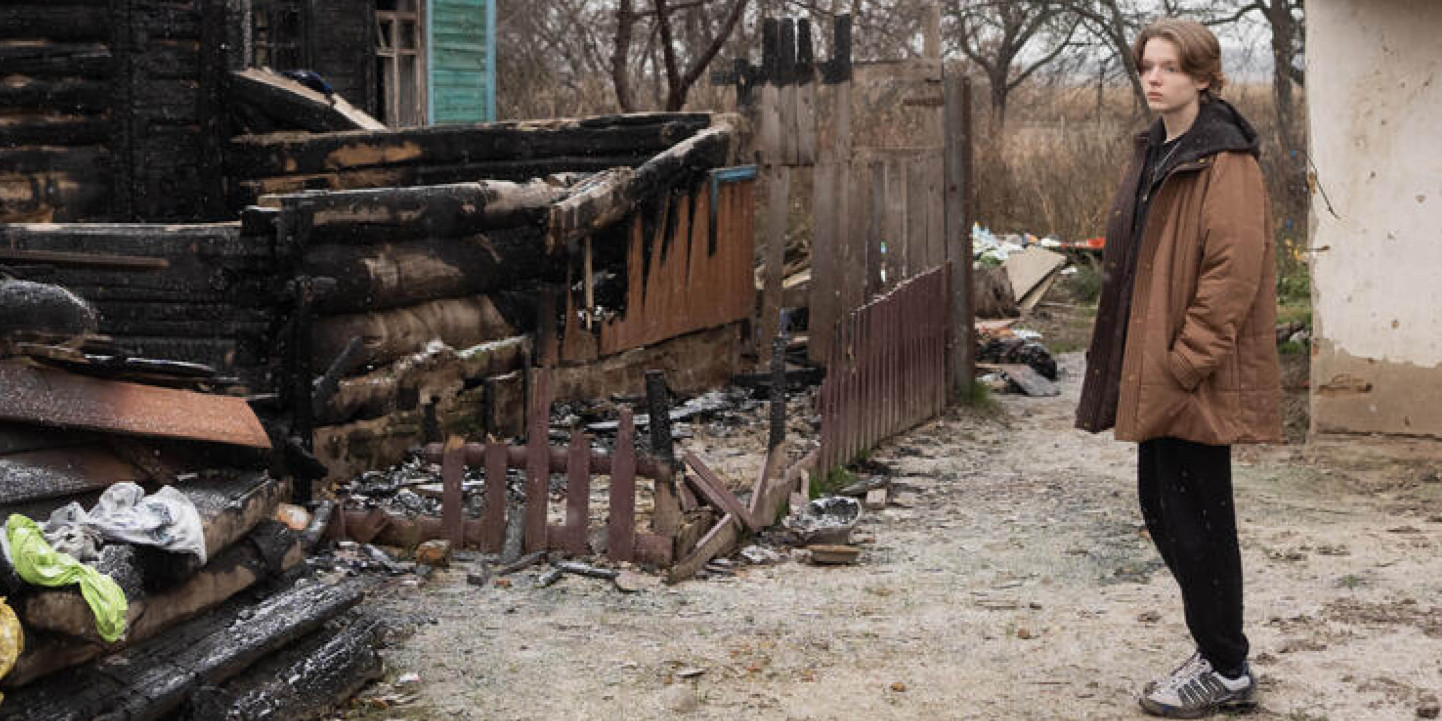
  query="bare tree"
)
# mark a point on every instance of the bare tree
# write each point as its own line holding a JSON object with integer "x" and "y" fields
{"x": 1284, "y": 19}
{"x": 996, "y": 35}
{"x": 1114, "y": 23}
{"x": 684, "y": 58}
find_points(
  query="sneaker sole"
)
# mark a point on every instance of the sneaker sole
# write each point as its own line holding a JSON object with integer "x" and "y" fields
{"x": 1240, "y": 705}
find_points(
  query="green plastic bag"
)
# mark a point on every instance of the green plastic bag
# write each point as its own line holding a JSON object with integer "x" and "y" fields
{"x": 39, "y": 564}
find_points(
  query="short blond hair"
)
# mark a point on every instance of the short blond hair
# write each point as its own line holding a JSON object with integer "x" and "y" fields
{"x": 1201, "y": 53}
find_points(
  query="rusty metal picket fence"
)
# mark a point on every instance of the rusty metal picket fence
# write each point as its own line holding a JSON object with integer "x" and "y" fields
{"x": 539, "y": 460}
{"x": 886, "y": 371}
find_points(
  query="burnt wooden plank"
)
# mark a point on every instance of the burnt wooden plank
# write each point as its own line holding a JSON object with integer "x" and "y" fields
{"x": 538, "y": 471}
{"x": 453, "y": 466}
{"x": 47, "y": 21}
{"x": 294, "y": 104}
{"x": 719, "y": 539}
{"x": 65, "y": 95}
{"x": 81, "y": 60}
{"x": 290, "y": 153}
{"x": 714, "y": 490}
{"x": 621, "y": 523}
{"x": 493, "y": 522}
{"x": 380, "y": 215}
{"x": 392, "y": 334}
{"x": 578, "y": 493}
{"x": 152, "y": 679}
{"x": 53, "y": 130}
{"x": 392, "y": 275}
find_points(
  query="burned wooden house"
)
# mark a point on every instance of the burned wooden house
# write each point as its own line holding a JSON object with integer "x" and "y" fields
{"x": 361, "y": 288}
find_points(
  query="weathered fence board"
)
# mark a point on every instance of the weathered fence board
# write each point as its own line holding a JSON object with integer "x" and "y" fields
{"x": 886, "y": 371}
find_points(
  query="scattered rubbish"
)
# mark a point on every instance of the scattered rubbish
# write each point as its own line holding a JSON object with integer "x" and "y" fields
{"x": 1016, "y": 350}
{"x": 825, "y": 520}
{"x": 628, "y": 581}
{"x": 549, "y": 577}
{"x": 582, "y": 569}
{"x": 690, "y": 672}
{"x": 294, "y": 517}
{"x": 898, "y": 686}
{"x": 522, "y": 563}
{"x": 876, "y": 499}
{"x": 832, "y": 554}
{"x": 12, "y": 639}
{"x": 40, "y": 565}
{"x": 166, "y": 519}
{"x": 864, "y": 486}
{"x": 760, "y": 555}
{"x": 1023, "y": 377}
{"x": 1032, "y": 273}
{"x": 408, "y": 679}
{"x": 434, "y": 553}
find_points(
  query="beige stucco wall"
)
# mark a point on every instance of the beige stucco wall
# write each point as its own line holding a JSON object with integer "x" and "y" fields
{"x": 1374, "y": 89}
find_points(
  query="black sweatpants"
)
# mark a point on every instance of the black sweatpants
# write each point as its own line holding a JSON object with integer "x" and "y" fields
{"x": 1185, "y": 490}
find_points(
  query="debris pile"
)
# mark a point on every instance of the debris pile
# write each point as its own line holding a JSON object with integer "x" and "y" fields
{"x": 140, "y": 559}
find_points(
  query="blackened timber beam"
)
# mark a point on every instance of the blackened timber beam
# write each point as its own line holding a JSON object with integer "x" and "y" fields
{"x": 392, "y": 275}
{"x": 435, "y": 211}
{"x": 41, "y": 20}
{"x": 397, "y": 176}
{"x": 85, "y": 60}
{"x": 294, "y": 153}
{"x": 595, "y": 205}
{"x": 72, "y": 95}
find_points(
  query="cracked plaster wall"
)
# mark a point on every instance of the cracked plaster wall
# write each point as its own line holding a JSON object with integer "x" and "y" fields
{"x": 1374, "y": 85}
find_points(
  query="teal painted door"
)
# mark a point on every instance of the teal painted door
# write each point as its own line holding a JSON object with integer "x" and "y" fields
{"x": 462, "y": 61}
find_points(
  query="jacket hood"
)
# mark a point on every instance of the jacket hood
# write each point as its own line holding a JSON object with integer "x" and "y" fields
{"x": 1218, "y": 128}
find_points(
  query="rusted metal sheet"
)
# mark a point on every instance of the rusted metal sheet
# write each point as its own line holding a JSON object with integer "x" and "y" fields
{"x": 54, "y": 398}
{"x": 697, "y": 274}
{"x": 886, "y": 369}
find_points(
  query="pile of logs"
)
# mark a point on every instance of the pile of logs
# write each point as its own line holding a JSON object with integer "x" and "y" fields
{"x": 192, "y": 630}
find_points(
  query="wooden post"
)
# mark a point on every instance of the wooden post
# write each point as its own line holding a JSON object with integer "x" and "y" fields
{"x": 538, "y": 462}
{"x": 621, "y": 525}
{"x": 778, "y": 186}
{"x": 453, "y": 471}
{"x": 931, "y": 32}
{"x": 578, "y": 493}
{"x": 493, "y": 524}
{"x": 666, "y": 519}
{"x": 961, "y": 355}
{"x": 777, "y": 435}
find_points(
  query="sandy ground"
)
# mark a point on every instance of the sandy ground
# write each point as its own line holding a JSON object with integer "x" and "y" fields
{"x": 1013, "y": 581}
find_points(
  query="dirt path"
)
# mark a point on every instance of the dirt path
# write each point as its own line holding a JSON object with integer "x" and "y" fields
{"x": 1016, "y": 585}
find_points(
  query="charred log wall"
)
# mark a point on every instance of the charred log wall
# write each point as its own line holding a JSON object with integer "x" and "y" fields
{"x": 217, "y": 300}
{"x": 109, "y": 110}
{"x": 259, "y": 165}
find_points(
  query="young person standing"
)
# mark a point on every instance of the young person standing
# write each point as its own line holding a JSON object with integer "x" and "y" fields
{"x": 1183, "y": 357}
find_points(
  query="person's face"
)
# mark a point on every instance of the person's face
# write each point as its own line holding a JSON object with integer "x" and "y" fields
{"x": 1167, "y": 87}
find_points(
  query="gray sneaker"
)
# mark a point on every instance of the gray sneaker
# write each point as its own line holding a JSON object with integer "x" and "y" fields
{"x": 1194, "y": 690}
{"x": 1187, "y": 670}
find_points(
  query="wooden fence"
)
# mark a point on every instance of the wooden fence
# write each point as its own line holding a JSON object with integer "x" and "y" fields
{"x": 887, "y": 369}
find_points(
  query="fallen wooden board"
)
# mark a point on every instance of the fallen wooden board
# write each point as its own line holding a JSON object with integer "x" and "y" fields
{"x": 1025, "y": 377}
{"x": 720, "y": 538}
{"x": 1030, "y": 267}
{"x": 714, "y": 490}
{"x": 55, "y": 398}
{"x": 148, "y": 681}
{"x": 1034, "y": 296}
